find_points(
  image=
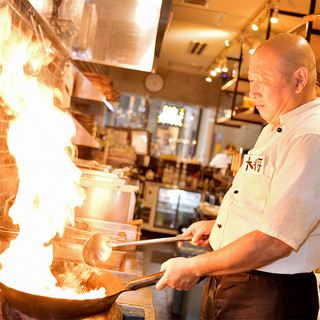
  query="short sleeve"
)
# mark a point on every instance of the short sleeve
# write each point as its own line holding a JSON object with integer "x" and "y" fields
{"x": 293, "y": 207}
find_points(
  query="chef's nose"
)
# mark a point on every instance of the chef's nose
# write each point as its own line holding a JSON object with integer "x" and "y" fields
{"x": 254, "y": 90}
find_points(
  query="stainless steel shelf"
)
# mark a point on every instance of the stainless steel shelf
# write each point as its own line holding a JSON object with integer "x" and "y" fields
{"x": 25, "y": 10}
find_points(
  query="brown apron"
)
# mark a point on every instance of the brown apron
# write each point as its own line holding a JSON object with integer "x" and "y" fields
{"x": 261, "y": 295}
{"x": 206, "y": 311}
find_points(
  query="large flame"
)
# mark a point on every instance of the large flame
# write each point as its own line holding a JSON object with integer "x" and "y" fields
{"x": 39, "y": 138}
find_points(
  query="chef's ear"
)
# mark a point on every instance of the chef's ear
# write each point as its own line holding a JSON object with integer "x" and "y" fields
{"x": 302, "y": 76}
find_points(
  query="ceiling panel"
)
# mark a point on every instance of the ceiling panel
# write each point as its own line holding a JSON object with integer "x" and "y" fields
{"x": 177, "y": 41}
{"x": 300, "y": 6}
{"x": 210, "y": 22}
{"x": 198, "y": 15}
{"x": 214, "y": 23}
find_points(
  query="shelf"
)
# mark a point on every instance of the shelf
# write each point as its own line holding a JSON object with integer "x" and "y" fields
{"x": 231, "y": 122}
{"x": 166, "y": 211}
{"x": 25, "y": 10}
{"x": 165, "y": 200}
{"x": 243, "y": 86}
{"x": 242, "y": 117}
{"x": 186, "y": 210}
{"x": 249, "y": 116}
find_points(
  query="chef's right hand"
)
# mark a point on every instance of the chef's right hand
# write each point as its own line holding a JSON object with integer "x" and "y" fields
{"x": 180, "y": 274}
{"x": 197, "y": 230}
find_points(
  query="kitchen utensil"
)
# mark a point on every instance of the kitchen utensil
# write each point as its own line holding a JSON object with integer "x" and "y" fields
{"x": 98, "y": 248}
{"x": 42, "y": 307}
{"x": 136, "y": 222}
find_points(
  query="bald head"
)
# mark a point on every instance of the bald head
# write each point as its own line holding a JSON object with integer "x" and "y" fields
{"x": 291, "y": 52}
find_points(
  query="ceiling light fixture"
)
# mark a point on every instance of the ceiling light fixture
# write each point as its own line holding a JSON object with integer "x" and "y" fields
{"x": 245, "y": 37}
{"x": 213, "y": 73}
{"x": 250, "y": 43}
{"x": 218, "y": 67}
{"x": 254, "y": 27}
{"x": 224, "y": 64}
{"x": 234, "y": 73}
{"x": 274, "y": 18}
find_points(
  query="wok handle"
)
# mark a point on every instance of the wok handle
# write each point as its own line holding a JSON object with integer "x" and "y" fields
{"x": 143, "y": 282}
{"x": 153, "y": 241}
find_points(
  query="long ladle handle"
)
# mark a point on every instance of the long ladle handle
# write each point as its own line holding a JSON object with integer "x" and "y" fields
{"x": 151, "y": 241}
{"x": 143, "y": 282}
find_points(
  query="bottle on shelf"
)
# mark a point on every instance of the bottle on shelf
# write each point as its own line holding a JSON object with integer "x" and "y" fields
{"x": 159, "y": 171}
{"x": 170, "y": 173}
{"x": 189, "y": 180}
{"x": 176, "y": 174}
{"x": 206, "y": 184}
{"x": 200, "y": 178}
{"x": 183, "y": 176}
{"x": 194, "y": 183}
{"x": 166, "y": 174}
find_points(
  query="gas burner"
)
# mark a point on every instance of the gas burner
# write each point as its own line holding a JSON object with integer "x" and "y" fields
{"x": 10, "y": 313}
{"x": 117, "y": 311}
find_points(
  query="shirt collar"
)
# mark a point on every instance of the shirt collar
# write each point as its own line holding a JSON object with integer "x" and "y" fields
{"x": 291, "y": 114}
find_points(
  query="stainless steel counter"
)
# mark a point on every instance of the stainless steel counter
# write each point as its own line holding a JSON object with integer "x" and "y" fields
{"x": 140, "y": 298}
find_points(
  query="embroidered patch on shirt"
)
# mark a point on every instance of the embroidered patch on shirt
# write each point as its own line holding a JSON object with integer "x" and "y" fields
{"x": 253, "y": 164}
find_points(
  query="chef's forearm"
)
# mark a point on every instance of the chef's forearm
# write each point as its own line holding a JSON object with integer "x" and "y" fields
{"x": 250, "y": 252}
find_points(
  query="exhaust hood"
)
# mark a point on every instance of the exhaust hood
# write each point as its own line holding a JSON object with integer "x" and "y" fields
{"x": 84, "y": 89}
{"x": 82, "y": 136}
{"x": 122, "y": 33}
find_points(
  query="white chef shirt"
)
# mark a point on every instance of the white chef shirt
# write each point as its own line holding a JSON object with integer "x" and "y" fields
{"x": 283, "y": 201}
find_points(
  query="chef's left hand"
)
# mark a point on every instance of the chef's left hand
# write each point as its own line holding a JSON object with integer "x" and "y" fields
{"x": 179, "y": 274}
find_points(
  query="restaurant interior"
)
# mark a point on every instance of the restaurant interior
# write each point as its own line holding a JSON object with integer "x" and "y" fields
{"x": 110, "y": 115}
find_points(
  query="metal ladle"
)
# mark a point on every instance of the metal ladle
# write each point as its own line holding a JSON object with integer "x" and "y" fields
{"x": 98, "y": 248}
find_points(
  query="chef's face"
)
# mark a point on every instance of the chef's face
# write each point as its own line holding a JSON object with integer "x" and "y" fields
{"x": 271, "y": 91}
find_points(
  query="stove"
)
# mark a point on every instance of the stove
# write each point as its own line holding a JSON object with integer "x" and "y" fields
{"x": 117, "y": 312}
{"x": 134, "y": 305}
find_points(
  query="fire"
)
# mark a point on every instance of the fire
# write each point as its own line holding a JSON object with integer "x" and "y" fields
{"x": 39, "y": 138}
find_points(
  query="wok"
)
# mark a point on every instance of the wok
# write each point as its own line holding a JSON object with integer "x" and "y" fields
{"x": 43, "y": 307}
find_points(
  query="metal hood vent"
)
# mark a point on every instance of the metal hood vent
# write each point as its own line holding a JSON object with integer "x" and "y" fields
{"x": 84, "y": 89}
{"x": 127, "y": 35}
{"x": 196, "y": 47}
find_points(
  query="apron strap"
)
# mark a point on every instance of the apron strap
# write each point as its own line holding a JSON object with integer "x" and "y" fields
{"x": 207, "y": 297}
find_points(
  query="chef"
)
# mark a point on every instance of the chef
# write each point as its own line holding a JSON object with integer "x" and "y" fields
{"x": 266, "y": 239}
{"x": 222, "y": 161}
